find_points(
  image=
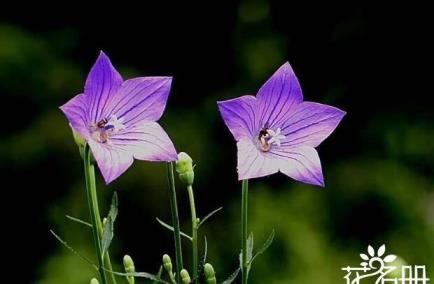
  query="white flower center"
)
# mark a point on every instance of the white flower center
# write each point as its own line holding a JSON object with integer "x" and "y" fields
{"x": 268, "y": 137}
{"x": 102, "y": 130}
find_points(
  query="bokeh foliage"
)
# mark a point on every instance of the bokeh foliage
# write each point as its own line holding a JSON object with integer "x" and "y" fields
{"x": 378, "y": 165}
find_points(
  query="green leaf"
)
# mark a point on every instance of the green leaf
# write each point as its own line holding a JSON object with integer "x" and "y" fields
{"x": 65, "y": 244}
{"x": 78, "y": 221}
{"x": 250, "y": 244}
{"x": 205, "y": 249}
{"x": 160, "y": 272}
{"x": 203, "y": 261}
{"x": 209, "y": 216}
{"x": 108, "y": 232}
{"x": 264, "y": 247}
{"x": 170, "y": 228}
{"x": 232, "y": 277}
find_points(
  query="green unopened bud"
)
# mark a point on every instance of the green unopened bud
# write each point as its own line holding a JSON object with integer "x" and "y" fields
{"x": 167, "y": 263}
{"x": 129, "y": 268}
{"x": 185, "y": 277}
{"x": 209, "y": 274}
{"x": 94, "y": 281}
{"x": 184, "y": 167}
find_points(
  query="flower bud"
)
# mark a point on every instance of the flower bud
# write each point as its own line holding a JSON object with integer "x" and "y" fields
{"x": 185, "y": 277}
{"x": 184, "y": 167}
{"x": 167, "y": 263}
{"x": 94, "y": 281}
{"x": 209, "y": 274}
{"x": 129, "y": 267}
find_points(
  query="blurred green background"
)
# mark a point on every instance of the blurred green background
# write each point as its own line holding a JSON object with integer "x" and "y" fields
{"x": 378, "y": 165}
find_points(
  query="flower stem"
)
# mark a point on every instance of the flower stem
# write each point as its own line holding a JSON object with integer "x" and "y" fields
{"x": 194, "y": 228}
{"x": 244, "y": 207}
{"x": 175, "y": 222}
{"x": 90, "y": 189}
{"x": 97, "y": 229}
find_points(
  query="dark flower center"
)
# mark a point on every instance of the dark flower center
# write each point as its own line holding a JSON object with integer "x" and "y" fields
{"x": 268, "y": 137}
{"x": 102, "y": 130}
{"x": 263, "y": 138}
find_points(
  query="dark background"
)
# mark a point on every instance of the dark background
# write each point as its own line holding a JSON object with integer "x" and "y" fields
{"x": 371, "y": 61}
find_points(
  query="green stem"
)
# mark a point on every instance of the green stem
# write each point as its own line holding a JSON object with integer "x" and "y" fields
{"x": 175, "y": 222}
{"x": 97, "y": 228}
{"x": 89, "y": 173}
{"x": 244, "y": 207}
{"x": 194, "y": 228}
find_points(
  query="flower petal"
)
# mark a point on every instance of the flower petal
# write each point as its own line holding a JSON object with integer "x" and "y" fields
{"x": 278, "y": 97}
{"x": 239, "y": 116}
{"x": 148, "y": 141}
{"x": 310, "y": 124}
{"x": 302, "y": 164}
{"x": 102, "y": 83}
{"x": 252, "y": 162}
{"x": 141, "y": 99}
{"x": 112, "y": 161}
{"x": 76, "y": 112}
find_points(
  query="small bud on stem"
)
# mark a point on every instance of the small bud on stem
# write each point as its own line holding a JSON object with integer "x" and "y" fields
{"x": 209, "y": 274}
{"x": 167, "y": 264}
{"x": 184, "y": 167}
{"x": 129, "y": 268}
{"x": 185, "y": 277}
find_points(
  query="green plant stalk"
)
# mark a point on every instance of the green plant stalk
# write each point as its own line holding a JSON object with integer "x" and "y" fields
{"x": 175, "y": 221}
{"x": 97, "y": 229}
{"x": 244, "y": 208}
{"x": 194, "y": 228}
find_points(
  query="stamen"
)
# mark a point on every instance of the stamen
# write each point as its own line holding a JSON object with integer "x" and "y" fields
{"x": 102, "y": 130}
{"x": 267, "y": 137}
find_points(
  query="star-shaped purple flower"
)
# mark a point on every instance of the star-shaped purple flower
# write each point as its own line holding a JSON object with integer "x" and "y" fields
{"x": 117, "y": 118}
{"x": 277, "y": 131}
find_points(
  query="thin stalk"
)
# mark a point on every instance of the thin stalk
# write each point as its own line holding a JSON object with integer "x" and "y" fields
{"x": 99, "y": 226}
{"x": 244, "y": 207}
{"x": 175, "y": 221}
{"x": 91, "y": 193}
{"x": 194, "y": 228}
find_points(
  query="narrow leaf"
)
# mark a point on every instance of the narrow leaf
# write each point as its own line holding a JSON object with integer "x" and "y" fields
{"x": 108, "y": 232}
{"x": 264, "y": 246}
{"x": 160, "y": 272}
{"x": 65, "y": 244}
{"x": 205, "y": 250}
{"x": 167, "y": 226}
{"x": 232, "y": 277}
{"x": 203, "y": 261}
{"x": 209, "y": 216}
{"x": 250, "y": 244}
{"x": 78, "y": 221}
{"x": 364, "y": 256}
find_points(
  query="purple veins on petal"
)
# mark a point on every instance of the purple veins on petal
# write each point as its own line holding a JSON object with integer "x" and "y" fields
{"x": 276, "y": 131}
{"x": 118, "y": 118}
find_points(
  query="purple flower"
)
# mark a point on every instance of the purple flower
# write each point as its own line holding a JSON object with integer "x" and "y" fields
{"x": 277, "y": 131}
{"x": 118, "y": 118}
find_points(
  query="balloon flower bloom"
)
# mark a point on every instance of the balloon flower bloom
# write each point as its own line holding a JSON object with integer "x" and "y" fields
{"x": 277, "y": 131}
{"x": 117, "y": 118}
